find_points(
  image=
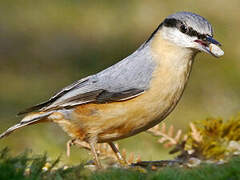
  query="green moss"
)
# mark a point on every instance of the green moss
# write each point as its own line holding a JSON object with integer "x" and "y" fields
{"x": 28, "y": 167}
{"x": 229, "y": 170}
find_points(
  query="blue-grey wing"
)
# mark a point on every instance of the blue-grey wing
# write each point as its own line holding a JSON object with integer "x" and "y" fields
{"x": 125, "y": 80}
{"x": 80, "y": 93}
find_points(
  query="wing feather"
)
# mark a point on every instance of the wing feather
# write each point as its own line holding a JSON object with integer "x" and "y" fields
{"x": 54, "y": 97}
{"x": 95, "y": 96}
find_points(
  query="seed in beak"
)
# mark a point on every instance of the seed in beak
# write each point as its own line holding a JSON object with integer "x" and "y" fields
{"x": 215, "y": 50}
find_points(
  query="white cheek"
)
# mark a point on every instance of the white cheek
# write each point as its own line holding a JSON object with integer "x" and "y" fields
{"x": 177, "y": 37}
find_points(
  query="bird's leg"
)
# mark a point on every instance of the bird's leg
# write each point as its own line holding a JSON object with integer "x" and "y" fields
{"x": 121, "y": 160}
{"x": 70, "y": 143}
{"x": 92, "y": 145}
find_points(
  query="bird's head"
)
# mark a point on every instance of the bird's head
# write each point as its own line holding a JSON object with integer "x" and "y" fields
{"x": 192, "y": 31}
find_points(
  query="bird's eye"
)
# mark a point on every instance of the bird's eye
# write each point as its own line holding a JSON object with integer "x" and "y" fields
{"x": 183, "y": 28}
{"x": 204, "y": 38}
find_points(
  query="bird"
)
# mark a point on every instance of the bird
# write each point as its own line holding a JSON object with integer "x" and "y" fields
{"x": 132, "y": 95}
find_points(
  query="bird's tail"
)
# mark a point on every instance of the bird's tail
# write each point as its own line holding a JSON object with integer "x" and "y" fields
{"x": 27, "y": 120}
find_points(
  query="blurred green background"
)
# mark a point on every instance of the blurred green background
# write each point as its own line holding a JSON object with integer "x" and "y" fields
{"x": 46, "y": 45}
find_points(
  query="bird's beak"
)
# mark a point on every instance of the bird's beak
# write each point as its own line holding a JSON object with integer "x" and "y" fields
{"x": 210, "y": 46}
{"x": 213, "y": 41}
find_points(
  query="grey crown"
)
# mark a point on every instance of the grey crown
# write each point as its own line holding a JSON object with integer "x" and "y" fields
{"x": 198, "y": 23}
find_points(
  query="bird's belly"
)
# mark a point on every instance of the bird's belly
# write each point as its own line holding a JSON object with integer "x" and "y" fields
{"x": 117, "y": 120}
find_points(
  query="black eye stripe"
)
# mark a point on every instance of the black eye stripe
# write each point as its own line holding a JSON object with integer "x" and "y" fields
{"x": 171, "y": 22}
{"x": 192, "y": 32}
